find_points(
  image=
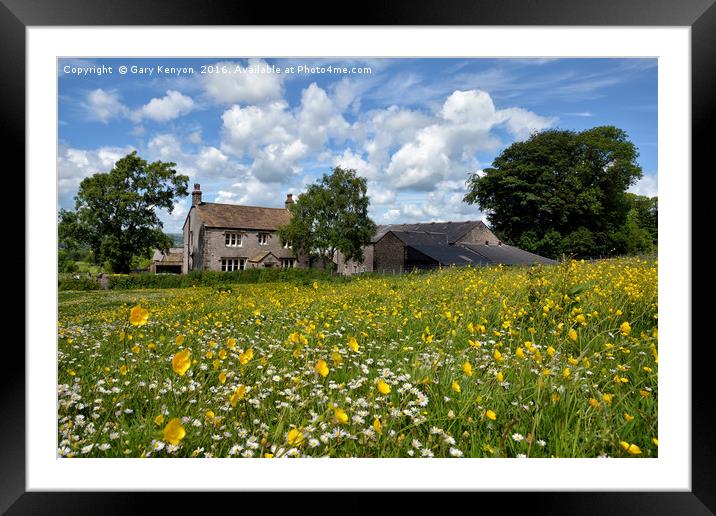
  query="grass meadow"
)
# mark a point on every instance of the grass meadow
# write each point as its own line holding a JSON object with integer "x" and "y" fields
{"x": 550, "y": 361}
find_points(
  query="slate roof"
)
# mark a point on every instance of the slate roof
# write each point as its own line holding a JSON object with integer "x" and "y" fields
{"x": 453, "y": 230}
{"x": 262, "y": 256}
{"x": 420, "y": 237}
{"x": 175, "y": 255}
{"x": 507, "y": 255}
{"x": 216, "y": 215}
{"x": 451, "y": 255}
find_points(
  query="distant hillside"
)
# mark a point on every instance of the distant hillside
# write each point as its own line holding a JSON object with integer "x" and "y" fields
{"x": 177, "y": 239}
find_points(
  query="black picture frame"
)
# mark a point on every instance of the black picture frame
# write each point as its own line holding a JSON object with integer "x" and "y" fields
{"x": 699, "y": 15}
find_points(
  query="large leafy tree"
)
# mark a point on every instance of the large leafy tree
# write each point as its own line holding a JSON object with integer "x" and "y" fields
{"x": 332, "y": 215}
{"x": 561, "y": 191}
{"x": 115, "y": 212}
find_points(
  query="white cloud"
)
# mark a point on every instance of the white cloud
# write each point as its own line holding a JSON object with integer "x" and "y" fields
{"x": 418, "y": 165}
{"x": 648, "y": 185}
{"x": 442, "y": 204}
{"x": 387, "y": 128}
{"x": 254, "y": 192}
{"x": 319, "y": 118}
{"x": 207, "y": 163}
{"x": 400, "y": 148}
{"x": 277, "y": 162}
{"x": 169, "y": 107}
{"x": 165, "y": 147}
{"x": 445, "y": 149}
{"x": 103, "y": 105}
{"x": 522, "y": 123}
{"x": 350, "y": 159}
{"x": 73, "y": 165}
{"x": 246, "y": 129}
{"x": 276, "y": 138}
{"x": 381, "y": 197}
{"x": 232, "y": 87}
{"x": 211, "y": 158}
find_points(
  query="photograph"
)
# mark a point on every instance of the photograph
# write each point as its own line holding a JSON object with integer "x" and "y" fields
{"x": 357, "y": 257}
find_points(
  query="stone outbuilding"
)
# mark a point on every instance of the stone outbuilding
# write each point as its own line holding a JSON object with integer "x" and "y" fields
{"x": 170, "y": 262}
{"x": 399, "y": 248}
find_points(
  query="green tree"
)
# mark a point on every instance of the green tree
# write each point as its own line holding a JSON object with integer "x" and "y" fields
{"x": 332, "y": 215}
{"x": 560, "y": 183}
{"x": 115, "y": 212}
{"x": 639, "y": 233}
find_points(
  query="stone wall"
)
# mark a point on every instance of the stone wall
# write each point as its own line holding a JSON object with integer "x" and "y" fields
{"x": 389, "y": 254}
{"x": 349, "y": 267}
{"x": 480, "y": 234}
{"x": 193, "y": 249}
{"x": 215, "y": 248}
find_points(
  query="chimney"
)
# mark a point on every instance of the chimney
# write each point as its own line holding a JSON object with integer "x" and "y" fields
{"x": 289, "y": 200}
{"x": 196, "y": 195}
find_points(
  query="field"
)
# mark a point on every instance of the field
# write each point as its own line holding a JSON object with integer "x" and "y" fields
{"x": 553, "y": 361}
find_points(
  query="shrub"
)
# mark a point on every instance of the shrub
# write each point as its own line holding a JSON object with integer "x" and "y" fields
{"x": 73, "y": 282}
{"x": 220, "y": 279}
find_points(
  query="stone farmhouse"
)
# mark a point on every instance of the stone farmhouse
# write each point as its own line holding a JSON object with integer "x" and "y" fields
{"x": 228, "y": 237}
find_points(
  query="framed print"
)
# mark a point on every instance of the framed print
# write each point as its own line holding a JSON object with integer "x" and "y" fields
{"x": 422, "y": 247}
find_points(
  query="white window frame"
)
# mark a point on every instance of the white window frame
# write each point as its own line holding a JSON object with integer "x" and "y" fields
{"x": 233, "y": 264}
{"x": 288, "y": 263}
{"x": 263, "y": 238}
{"x": 288, "y": 244}
{"x": 233, "y": 239}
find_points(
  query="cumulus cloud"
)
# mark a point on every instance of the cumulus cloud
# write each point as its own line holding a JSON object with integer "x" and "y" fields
{"x": 165, "y": 147}
{"x": 277, "y": 162}
{"x": 319, "y": 118}
{"x": 104, "y": 105}
{"x": 276, "y": 138}
{"x": 207, "y": 162}
{"x": 254, "y": 192}
{"x": 351, "y": 160}
{"x": 400, "y": 148}
{"x": 445, "y": 149}
{"x": 243, "y": 87}
{"x": 384, "y": 129}
{"x": 169, "y": 107}
{"x": 247, "y": 129}
{"x": 73, "y": 165}
{"x": 442, "y": 204}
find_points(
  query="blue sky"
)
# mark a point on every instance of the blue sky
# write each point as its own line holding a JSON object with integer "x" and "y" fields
{"x": 415, "y": 128}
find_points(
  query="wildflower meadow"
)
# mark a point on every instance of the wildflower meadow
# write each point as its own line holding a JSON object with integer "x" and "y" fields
{"x": 544, "y": 361}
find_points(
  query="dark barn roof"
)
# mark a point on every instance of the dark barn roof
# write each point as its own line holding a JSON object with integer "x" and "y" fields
{"x": 451, "y": 255}
{"x": 420, "y": 237}
{"x": 242, "y": 217}
{"x": 507, "y": 255}
{"x": 453, "y": 230}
